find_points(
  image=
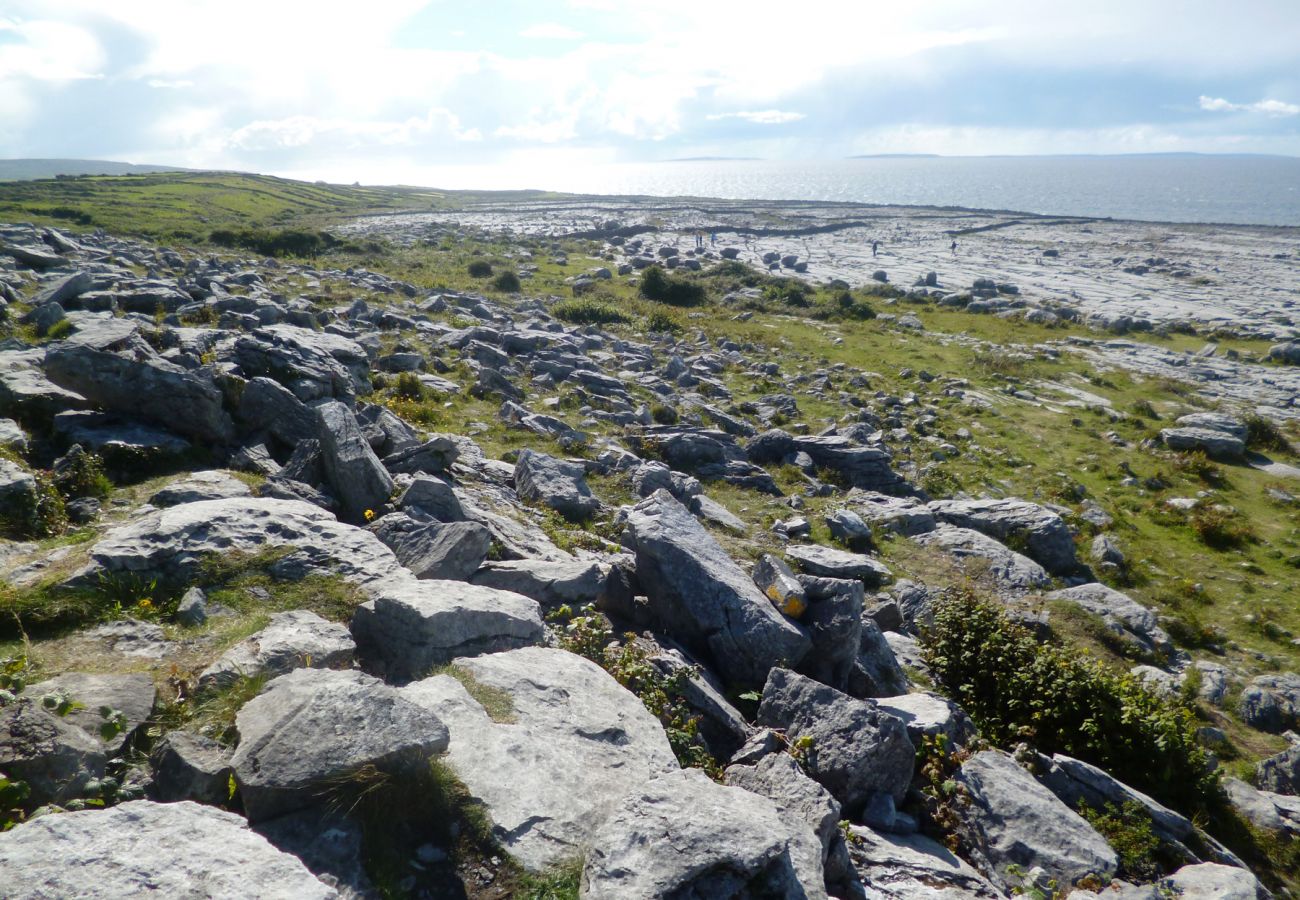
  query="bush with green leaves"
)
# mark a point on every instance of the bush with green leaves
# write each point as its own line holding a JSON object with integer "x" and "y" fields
{"x": 480, "y": 268}
{"x": 81, "y": 474}
{"x": 285, "y": 242}
{"x": 409, "y": 387}
{"x": 661, "y": 287}
{"x": 588, "y": 312}
{"x": 1018, "y": 689}
{"x": 507, "y": 283}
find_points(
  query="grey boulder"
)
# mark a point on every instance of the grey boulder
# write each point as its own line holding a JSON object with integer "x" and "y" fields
{"x": 827, "y": 562}
{"x": 190, "y": 766}
{"x": 930, "y": 715}
{"x": 914, "y": 867}
{"x": 1221, "y": 445}
{"x": 1212, "y": 881}
{"x": 1121, "y": 613}
{"x": 354, "y": 473}
{"x": 131, "y": 695}
{"x": 1281, "y": 773}
{"x": 683, "y": 835}
{"x": 577, "y": 583}
{"x": 555, "y": 483}
{"x": 56, "y": 758}
{"x": 1272, "y": 702}
{"x": 1008, "y": 570}
{"x": 157, "y": 390}
{"x": 209, "y": 485}
{"x": 1009, "y": 819}
{"x": 294, "y": 639}
{"x": 411, "y": 626}
{"x": 552, "y": 756}
{"x": 145, "y": 848}
{"x": 169, "y": 543}
{"x": 1043, "y": 534}
{"x": 310, "y": 728}
{"x": 856, "y": 749}
{"x": 703, "y": 598}
{"x": 432, "y": 549}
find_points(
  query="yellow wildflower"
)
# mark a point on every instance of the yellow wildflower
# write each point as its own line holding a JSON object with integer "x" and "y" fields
{"x": 369, "y": 514}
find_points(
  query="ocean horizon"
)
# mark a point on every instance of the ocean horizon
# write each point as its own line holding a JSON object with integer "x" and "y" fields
{"x": 1179, "y": 188}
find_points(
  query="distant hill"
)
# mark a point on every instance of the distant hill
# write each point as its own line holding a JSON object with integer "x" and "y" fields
{"x": 32, "y": 169}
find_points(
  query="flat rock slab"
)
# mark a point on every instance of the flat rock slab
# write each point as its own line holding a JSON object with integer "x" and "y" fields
{"x": 684, "y": 835}
{"x": 1010, "y": 819}
{"x": 313, "y": 726}
{"x": 292, "y": 640}
{"x": 827, "y": 562}
{"x": 1043, "y": 534}
{"x": 571, "y": 743}
{"x": 412, "y": 626}
{"x": 170, "y": 542}
{"x": 577, "y": 583}
{"x": 704, "y": 599}
{"x": 144, "y": 848}
{"x": 914, "y": 867}
{"x": 930, "y": 715}
{"x": 156, "y": 390}
{"x": 132, "y": 695}
{"x": 210, "y": 485}
{"x": 555, "y": 483}
{"x": 1010, "y": 571}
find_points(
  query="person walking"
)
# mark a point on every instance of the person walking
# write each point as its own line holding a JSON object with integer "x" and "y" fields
{"x": 953, "y": 248}
{"x": 875, "y": 245}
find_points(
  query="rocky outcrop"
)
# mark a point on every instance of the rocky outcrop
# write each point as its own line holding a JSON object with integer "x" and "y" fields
{"x": 173, "y": 849}
{"x": 309, "y": 730}
{"x": 547, "y": 742}
{"x": 1009, "y": 819}
{"x": 1042, "y": 534}
{"x": 703, "y": 598}
{"x": 854, "y": 749}
{"x": 295, "y": 639}
{"x": 155, "y": 389}
{"x": 411, "y": 626}
{"x": 683, "y": 835}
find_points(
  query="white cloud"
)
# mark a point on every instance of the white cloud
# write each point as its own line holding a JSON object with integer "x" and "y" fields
{"x": 551, "y": 31}
{"x": 45, "y": 50}
{"x": 311, "y": 131}
{"x": 1274, "y": 108}
{"x": 761, "y": 117}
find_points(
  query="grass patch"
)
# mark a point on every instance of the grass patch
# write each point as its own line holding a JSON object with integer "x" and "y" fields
{"x": 495, "y": 702}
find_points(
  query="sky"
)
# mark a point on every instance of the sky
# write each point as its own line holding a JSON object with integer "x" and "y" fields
{"x": 383, "y": 91}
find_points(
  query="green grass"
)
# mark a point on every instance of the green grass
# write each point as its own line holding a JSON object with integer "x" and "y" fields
{"x": 495, "y": 702}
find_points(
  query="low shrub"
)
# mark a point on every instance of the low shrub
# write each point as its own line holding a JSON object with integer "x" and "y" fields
{"x": 1128, "y": 830}
{"x": 630, "y": 664}
{"x": 659, "y": 286}
{"x": 587, "y": 312}
{"x": 409, "y": 387}
{"x": 1220, "y": 527}
{"x": 1263, "y": 434}
{"x": 662, "y": 322}
{"x": 507, "y": 283}
{"x": 1018, "y": 689}
{"x": 480, "y": 268}
{"x": 663, "y": 414}
{"x": 82, "y": 475}
{"x": 286, "y": 242}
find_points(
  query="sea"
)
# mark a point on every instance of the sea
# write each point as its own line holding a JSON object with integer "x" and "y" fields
{"x": 1224, "y": 189}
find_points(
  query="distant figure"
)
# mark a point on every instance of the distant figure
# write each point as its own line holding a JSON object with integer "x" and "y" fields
{"x": 713, "y": 238}
{"x": 953, "y": 248}
{"x": 875, "y": 245}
